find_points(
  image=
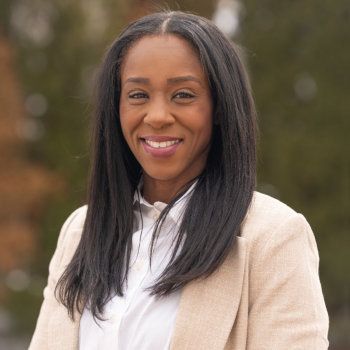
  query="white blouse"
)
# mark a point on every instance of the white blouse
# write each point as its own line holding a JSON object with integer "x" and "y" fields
{"x": 138, "y": 320}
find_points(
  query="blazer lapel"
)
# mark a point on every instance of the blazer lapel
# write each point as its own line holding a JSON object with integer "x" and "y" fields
{"x": 208, "y": 307}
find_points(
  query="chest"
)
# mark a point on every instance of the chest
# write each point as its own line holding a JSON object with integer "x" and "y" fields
{"x": 137, "y": 319}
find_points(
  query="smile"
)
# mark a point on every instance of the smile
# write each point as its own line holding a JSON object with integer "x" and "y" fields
{"x": 160, "y": 146}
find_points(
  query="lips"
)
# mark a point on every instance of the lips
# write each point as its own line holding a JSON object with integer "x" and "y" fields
{"x": 160, "y": 146}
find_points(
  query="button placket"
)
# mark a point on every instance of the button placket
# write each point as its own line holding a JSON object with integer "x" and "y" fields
{"x": 138, "y": 271}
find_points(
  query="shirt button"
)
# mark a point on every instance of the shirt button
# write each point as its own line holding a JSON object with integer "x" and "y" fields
{"x": 155, "y": 216}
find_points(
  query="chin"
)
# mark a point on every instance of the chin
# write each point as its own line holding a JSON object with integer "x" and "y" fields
{"x": 162, "y": 176}
{"x": 162, "y": 173}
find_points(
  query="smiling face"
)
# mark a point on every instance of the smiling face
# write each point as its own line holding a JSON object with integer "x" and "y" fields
{"x": 166, "y": 109}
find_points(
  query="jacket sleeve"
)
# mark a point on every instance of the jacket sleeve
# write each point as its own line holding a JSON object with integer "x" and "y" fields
{"x": 286, "y": 305}
{"x": 40, "y": 337}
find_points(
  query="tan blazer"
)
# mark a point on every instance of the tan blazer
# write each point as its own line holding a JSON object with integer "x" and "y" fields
{"x": 266, "y": 295}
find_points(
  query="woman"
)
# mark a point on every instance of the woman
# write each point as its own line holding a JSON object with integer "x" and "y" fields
{"x": 175, "y": 249}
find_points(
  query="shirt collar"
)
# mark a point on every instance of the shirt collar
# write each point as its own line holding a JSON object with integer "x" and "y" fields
{"x": 177, "y": 210}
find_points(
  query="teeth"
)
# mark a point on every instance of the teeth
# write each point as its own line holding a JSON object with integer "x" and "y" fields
{"x": 163, "y": 144}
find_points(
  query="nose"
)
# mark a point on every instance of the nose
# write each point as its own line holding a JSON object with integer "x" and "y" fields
{"x": 158, "y": 115}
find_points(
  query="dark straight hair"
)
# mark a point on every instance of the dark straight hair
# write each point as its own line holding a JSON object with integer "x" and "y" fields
{"x": 219, "y": 200}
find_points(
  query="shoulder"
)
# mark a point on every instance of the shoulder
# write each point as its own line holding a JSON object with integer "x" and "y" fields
{"x": 71, "y": 230}
{"x": 267, "y": 208}
{"x": 76, "y": 219}
{"x": 268, "y": 219}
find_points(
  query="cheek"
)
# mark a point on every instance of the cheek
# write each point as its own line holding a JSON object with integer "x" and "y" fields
{"x": 124, "y": 127}
{"x": 206, "y": 135}
{"x": 122, "y": 116}
{"x": 126, "y": 121}
{"x": 203, "y": 124}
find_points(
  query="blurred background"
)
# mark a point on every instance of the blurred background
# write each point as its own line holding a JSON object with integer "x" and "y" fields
{"x": 298, "y": 55}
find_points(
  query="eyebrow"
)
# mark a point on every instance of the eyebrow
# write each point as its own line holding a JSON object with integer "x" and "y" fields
{"x": 174, "y": 80}
{"x": 183, "y": 79}
{"x": 137, "y": 80}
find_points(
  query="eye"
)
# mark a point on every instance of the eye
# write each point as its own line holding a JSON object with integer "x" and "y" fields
{"x": 184, "y": 95}
{"x": 137, "y": 95}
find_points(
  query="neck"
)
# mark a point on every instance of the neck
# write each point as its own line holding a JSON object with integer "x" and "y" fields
{"x": 160, "y": 190}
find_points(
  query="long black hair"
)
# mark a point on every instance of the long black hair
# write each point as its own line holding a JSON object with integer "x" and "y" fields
{"x": 221, "y": 196}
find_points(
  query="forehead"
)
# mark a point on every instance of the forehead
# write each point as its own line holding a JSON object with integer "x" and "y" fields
{"x": 162, "y": 54}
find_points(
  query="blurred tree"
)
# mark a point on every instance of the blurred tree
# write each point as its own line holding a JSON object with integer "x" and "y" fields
{"x": 24, "y": 186}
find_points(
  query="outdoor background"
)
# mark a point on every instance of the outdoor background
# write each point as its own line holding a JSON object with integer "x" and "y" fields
{"x": 298, "y": 54}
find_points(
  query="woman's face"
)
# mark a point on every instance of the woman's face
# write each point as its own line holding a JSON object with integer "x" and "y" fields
{"x": 166, "y": 108}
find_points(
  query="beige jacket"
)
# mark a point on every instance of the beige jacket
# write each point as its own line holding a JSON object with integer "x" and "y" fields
{"x": 265, "y": 296}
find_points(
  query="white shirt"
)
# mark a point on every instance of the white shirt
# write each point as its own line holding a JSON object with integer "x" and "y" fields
{"x": 138, "y": 321}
